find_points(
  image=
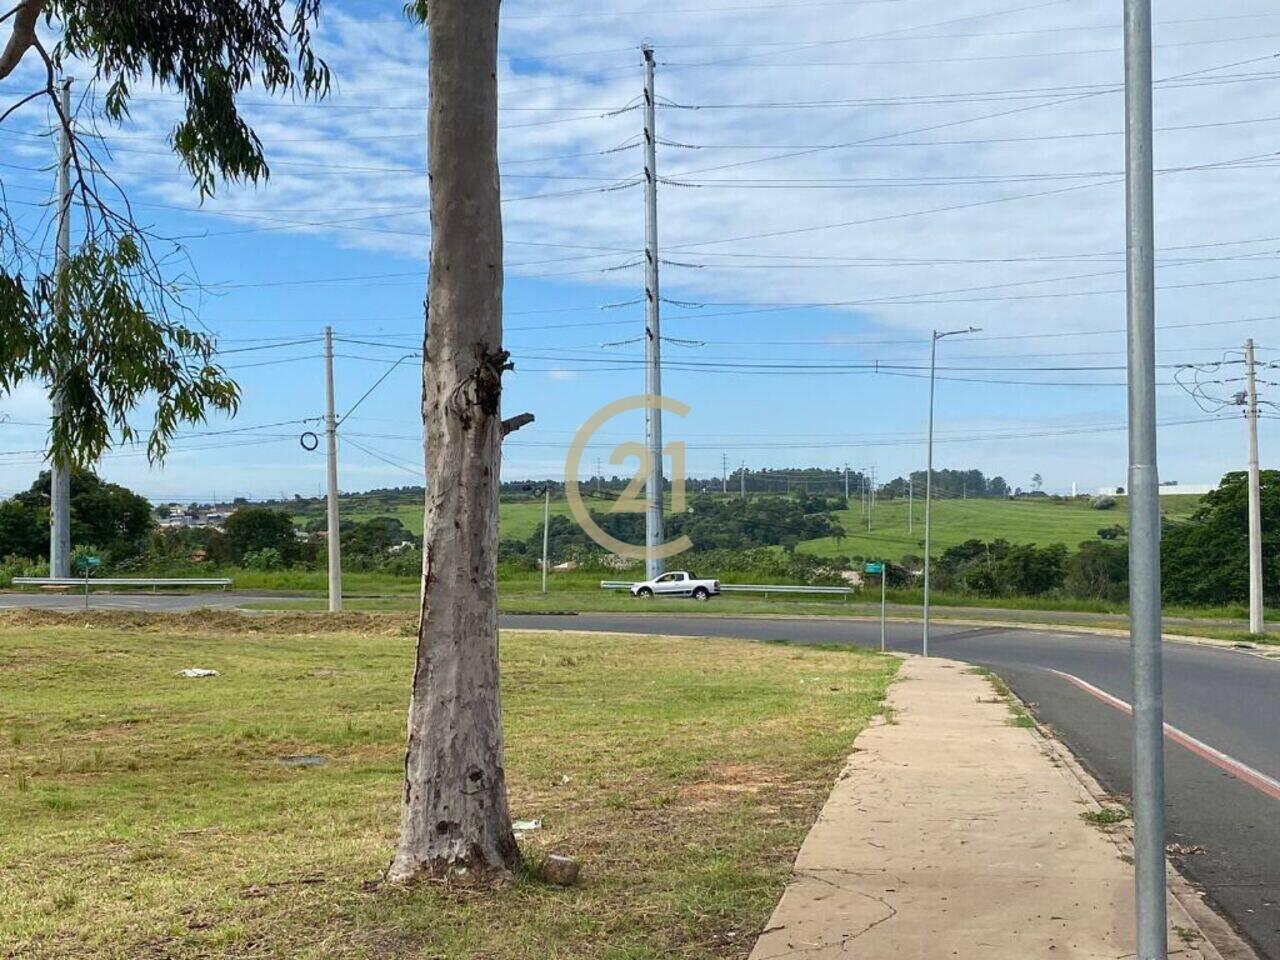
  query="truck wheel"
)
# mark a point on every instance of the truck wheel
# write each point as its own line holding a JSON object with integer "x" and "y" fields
{"x": 701, "y": 593}
{"x": 644, "y": 593}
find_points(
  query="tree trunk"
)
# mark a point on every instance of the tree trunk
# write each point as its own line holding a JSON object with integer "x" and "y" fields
{"x": 455, "y": 817}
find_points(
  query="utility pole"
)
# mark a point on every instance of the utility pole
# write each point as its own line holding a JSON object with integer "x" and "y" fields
{"x": 846, "y": 484}
{"x": 1256, "y": 624}
{"x": 653, "y": 533}
{"x": 1144, "y": 496}
{"x": 331, "y": 431}
{"x": 59, "y": 469}
{"x": 928, "y": 474}
{"x": 911, "y": 502}
{"x": 546, "y": 527}
{"x": 724, "y": 473}
{"x": 871, "y": 497}
{"x": 598, "y": 474}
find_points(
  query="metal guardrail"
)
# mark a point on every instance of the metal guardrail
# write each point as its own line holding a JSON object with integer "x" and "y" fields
{"x": 765, "y": 588}
{"x": 152, "y": 582}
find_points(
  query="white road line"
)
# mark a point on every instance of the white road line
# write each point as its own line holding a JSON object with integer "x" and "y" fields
{"x": 1241, "y": 771}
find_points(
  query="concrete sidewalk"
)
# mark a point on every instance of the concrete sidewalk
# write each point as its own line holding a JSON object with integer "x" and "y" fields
{"x": 953, "y": 833}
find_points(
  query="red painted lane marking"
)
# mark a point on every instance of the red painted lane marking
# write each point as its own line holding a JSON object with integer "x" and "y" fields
{"x": 1241, "y": 771}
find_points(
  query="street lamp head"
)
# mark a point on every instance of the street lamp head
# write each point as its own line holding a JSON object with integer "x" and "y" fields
{"x": 955, "y": 333}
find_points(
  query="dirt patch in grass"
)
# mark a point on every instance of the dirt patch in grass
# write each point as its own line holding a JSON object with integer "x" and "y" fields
{"x": 147, "y": 815}
{"x": 726, "y": 784}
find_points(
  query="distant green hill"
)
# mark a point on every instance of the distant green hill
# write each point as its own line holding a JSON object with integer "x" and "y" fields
{"x": 1031, "y": 520}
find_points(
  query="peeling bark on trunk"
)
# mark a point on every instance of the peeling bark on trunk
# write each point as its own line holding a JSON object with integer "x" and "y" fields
{"x": 455, "y": 816}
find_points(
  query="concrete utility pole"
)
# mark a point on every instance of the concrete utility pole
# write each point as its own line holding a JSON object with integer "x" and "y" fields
{"x": 1256, "y": 624}
{"x": 742, "y": 479}
{"x": 331, "y": 431}
{"x": 724, "y": 473}
{"x": 911, "y": 502}
{"x": 928, "y": 475}
{"x": 59, "y": 469}
{"x": 1144, "y": 496}
{"x": 653, "y": 533}
{"x": 846, "y": 484}
{"x": 871, "y": 497}
{"x": 546, "y": 527}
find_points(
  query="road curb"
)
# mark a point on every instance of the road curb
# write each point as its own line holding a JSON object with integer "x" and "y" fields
{"x": 1219, "y": 940}
{"x": 1262, "y": 652}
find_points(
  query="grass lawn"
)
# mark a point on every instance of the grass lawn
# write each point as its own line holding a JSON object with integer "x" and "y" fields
{"x": 1039, "y": 521}
{"x": 151, "y": 816}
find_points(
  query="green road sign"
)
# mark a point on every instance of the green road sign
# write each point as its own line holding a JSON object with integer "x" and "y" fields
{"x": 874, "y": 568}
{"x": 89, "y": 562}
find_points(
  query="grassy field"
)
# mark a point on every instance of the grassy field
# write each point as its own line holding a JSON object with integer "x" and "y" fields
{"x": 151, "y": 816}
{"x": 1039, "y": 521}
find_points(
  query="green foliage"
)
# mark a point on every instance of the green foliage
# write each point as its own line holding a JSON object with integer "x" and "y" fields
{"x": 1001, "y": 568}
{"x": 375, "y": 537}
{"x": 252, "y": 530}
{"x": 24, "y": 531}
{"x": 15, "y": 566}
{"x": 712, "y": 523}
{"x": 268, "y": 558}
{"x": 1099, "y": 569}
{"x": 99, "y": 333}
{"x": 107, "y": 514}
{"x": 950, "y": 484}
{"x": 104, "y": 329}
{"x": 1205, "y": 560}
{"x": 1103, "y": 503}
{"x": 209, "y": 51}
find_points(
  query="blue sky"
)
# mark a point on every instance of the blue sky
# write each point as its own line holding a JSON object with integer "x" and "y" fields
{"x": 976, "y": 183}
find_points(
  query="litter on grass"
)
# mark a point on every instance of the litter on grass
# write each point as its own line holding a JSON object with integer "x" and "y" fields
{"x": 194, "y": 673}
{"x": 303, "y": 760}
{"x": 521, "y": 827}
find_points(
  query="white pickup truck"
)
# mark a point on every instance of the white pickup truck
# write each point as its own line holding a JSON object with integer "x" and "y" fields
{"x": 679, "y": 583}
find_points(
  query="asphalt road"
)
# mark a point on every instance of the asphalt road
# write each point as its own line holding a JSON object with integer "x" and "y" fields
{"x": 1222, "y": 763}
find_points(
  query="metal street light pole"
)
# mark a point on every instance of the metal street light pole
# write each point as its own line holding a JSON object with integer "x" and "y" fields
{"x": 928, "y": 476}
{"x": 1256, "y": 624}
{"x": 1144, "y": 491}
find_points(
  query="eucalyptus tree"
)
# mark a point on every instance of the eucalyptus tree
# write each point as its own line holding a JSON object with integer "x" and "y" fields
{"x": 455, "y": 815}
{"x": 112, "y": 327}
